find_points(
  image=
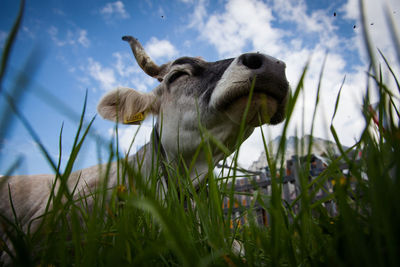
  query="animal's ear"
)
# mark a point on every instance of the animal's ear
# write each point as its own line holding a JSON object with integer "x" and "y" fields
{"x": 127, "y": 105}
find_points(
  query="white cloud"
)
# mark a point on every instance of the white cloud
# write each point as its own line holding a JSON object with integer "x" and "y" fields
{"x": 123, "y": 72}
{"x": 129, "y": 74}
{"x": 160, "y": 49}
{"x": 142, "y": 82}
{"x": 125, "y": 65}
{"x": 251, "y": 22}
{"x": 78, "y": 36}
{"x": 199, "y": 13}
{"x": 82, "y": 39}
{"x": 318, "y": 22}
{"x": 53, "y": 32}
{"x": 243, "y": 22}
{"x": 129, "y": 134}
{"x": 59, "y": 12}
{"x": 351, "y": 10}
{"x": 103, "y": 75}
{"x": 114, "y": 10}
{"x": 28, "y": 32}
{"x": 161, "y": 12}
{"x": 296, "y": 11}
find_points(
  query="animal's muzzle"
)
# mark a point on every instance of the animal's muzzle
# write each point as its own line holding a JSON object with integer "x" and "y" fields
{"x": 269, "y": 73}
{"x": 258, "y": 61}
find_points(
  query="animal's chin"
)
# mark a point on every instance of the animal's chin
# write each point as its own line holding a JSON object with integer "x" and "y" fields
{"x": 262, "y": 108}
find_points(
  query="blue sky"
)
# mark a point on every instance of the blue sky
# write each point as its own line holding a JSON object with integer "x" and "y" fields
{"x": 78, "y": 48}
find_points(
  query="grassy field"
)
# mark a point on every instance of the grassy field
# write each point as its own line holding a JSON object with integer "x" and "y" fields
{"x": 138, "y": 228}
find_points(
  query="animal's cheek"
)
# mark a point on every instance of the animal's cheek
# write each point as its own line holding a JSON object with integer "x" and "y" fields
{"x": 180, "y": 87}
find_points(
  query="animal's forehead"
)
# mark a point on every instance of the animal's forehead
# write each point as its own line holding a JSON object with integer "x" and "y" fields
{"x": 204, "y": 76}
{"x": 198, "y": 62}
{"x": 187, "y": 60}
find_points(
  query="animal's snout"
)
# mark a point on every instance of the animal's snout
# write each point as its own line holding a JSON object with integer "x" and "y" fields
{"x": 252, "y": 61}
{"x": 257, "y": 61}
{"x": 269, "y": 72}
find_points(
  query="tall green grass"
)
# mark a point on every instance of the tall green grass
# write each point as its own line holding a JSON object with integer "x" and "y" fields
{"x": 136, "y": 227}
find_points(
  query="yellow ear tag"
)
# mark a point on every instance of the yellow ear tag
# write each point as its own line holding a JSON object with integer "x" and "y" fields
{"x": 135, "y": 119}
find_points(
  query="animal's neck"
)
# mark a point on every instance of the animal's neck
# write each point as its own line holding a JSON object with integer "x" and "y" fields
{"x": 153, "y": 160}
{"x": 156, "y": 159}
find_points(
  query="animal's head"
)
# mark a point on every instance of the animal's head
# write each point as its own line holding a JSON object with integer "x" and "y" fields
{"x": 193, "y": 91}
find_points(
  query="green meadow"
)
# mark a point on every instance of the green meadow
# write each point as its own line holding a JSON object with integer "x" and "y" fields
{"x": 131, "y": 225}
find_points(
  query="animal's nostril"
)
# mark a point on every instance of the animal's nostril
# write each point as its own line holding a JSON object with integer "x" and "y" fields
{"x": 252, "y": 61}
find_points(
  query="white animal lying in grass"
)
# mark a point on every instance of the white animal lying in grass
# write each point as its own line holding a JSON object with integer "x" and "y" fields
{"x": 191, "y": 92}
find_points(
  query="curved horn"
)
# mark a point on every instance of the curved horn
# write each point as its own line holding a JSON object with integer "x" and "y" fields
{"x": 144, "y": 61}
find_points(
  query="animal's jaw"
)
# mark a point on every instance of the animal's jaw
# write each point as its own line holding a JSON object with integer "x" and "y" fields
{"x": 266, "y": 105}
{"x": 260, "y": 109}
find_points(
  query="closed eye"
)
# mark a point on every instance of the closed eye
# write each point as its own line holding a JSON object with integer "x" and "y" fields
{"x": 176, "y": 75}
